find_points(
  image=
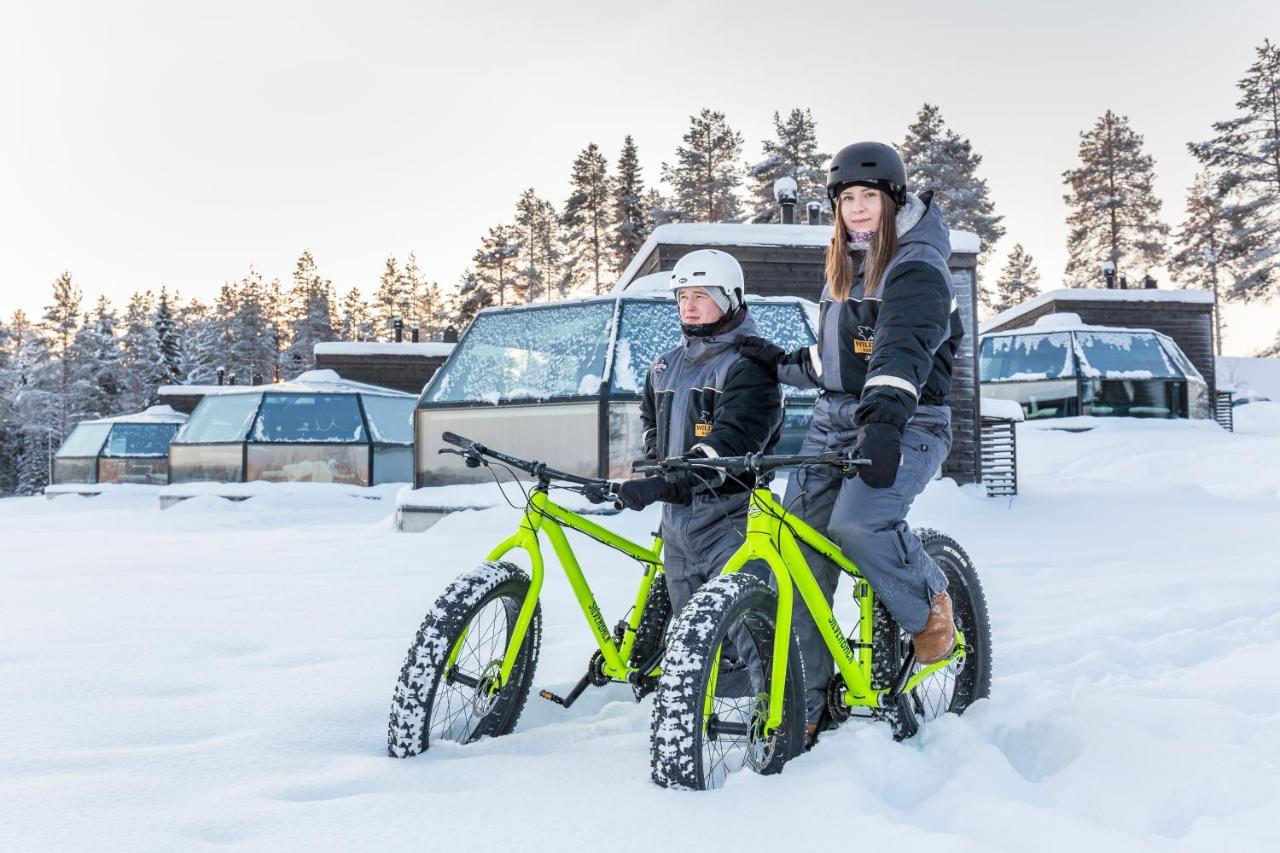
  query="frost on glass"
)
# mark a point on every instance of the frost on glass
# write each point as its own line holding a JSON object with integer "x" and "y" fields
{"x": 139, "y": 439}
{"x": 1180, "y": 360}
{"x": 1024, "y": 358}
{"x": 309, "y": 418}
{"x": 648, "y": 329}
{"x": 85, "y": 440}
{"x": 1123, "y": 355}
{"x": 390, "y": 418}
{"x": 219, "y": 418}
{"x": 529, "y": 354}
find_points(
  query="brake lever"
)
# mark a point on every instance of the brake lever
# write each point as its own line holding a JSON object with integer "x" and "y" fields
{"x": 472, "y": 460}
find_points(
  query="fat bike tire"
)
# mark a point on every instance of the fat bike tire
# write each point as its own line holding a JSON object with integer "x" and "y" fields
{"x": 688, "y": 749}
{"x": 954, "y": 688}
{"x": 437, "y": 698}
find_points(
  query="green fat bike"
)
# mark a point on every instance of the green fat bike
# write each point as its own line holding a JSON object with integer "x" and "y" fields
{"x": 469, "y": 670}
{"x": 731, "y": 693}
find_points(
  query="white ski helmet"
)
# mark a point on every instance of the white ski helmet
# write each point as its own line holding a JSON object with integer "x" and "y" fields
{"x": 711, "y": 270}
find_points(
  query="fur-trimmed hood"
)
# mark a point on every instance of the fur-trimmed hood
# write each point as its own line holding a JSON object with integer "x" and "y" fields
{"x": 918, "y": 221}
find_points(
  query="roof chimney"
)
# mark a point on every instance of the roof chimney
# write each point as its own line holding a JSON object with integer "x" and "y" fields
{"x": 815, "y": 213}
{"x": 786, "y": 192}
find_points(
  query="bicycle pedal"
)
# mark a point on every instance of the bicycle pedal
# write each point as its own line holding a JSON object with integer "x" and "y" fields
{"x": 551, "y": 697}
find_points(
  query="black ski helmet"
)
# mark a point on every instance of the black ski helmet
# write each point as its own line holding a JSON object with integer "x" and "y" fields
{"x": 867, "y": 164}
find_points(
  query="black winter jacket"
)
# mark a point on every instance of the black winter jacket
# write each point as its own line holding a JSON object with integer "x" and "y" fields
{"x": 896, "y": 349}
{"x": 703, "y": 394}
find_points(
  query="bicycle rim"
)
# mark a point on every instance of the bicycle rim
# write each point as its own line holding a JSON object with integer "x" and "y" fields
{"x": 463, "y": 698}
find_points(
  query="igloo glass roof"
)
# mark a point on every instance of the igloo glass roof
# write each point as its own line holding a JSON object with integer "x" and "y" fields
{"x": 1079, "y": 351}
{"x": 566, "y": 350}
{"x": 146, "y": 433}
{"x": 317, "y": 408}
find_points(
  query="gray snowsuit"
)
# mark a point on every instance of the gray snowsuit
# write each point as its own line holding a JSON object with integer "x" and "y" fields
{"x": 885, "y": 358}
{"x": 704, "y": 394}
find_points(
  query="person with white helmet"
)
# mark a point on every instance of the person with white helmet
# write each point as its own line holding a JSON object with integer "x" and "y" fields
{"x": 704, "y": 399}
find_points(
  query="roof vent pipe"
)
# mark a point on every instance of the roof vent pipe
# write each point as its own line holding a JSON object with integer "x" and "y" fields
{"x": 786, "y": 192}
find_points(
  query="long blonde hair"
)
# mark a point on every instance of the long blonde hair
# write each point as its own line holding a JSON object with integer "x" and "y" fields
{"x": 840, "y": 271}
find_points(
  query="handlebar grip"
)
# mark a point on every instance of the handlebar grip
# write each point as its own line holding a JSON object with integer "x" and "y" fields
{"x": 457, "y": 441}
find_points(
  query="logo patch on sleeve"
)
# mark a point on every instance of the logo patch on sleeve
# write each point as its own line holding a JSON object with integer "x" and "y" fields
{"x": 862, "y": 347}
{"x": 701, "y": 430}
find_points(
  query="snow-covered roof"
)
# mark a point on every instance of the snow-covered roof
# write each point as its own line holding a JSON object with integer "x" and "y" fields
{"x": 152, "y": 415}
{"x": 311, "y": 382}
{"x": 1260, "y": 375}
{"x": 422, "y": 349}
{"x": 1096, "y": 294}
{"x": 744, "y": 234}
{"x": 1066, "y": 321}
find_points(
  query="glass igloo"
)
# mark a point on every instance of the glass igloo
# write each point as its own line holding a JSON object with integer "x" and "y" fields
{"x": 317, "y": 428}
{"x": 1061, "y": 367}
{"x": 561, "y": 382}
{"x": 124, "y": 449}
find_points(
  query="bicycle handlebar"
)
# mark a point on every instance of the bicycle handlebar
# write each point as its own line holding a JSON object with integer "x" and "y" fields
{"x": 758, "y": 463}
{"x": 596, "y": 491}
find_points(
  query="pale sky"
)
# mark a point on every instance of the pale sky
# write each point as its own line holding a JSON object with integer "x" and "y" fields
{"x": 177, "y": 143}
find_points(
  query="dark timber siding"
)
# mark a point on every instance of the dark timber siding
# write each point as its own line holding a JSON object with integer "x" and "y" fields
{"x": 798, "y": 271}
{"x": 408, "y": 373}
{"x": 1190, "y": 324}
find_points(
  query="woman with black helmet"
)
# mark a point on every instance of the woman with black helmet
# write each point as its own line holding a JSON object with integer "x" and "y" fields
{"x": 887, "y": 338}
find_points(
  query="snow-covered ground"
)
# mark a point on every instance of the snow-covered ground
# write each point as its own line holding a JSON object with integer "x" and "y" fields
{"x": 218, "y": 675}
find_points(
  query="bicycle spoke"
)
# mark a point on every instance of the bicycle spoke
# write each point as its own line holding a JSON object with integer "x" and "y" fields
{"x": 458, "y": 707}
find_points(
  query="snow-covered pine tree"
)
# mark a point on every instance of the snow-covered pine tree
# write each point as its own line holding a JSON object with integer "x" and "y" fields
{"x": 1115, "y": 213}
{"x": 391, "y": 300}
{"x": 414, "y": 285}
{"x": 61, "y": 319}
{"x": 97, "y": 378}
{"x": 658, "y": 209}
{"x": 1018, "y": 280}
{"x": 167, "y": 334}
{"x": 141, "y": 361}
{"x": 630, "y": 216}
{"x": 1208, "y": 256}
{"x": 357, "y": 319}
{"x": 496, "y": 263}
{"x": 793, "y": 152}
{"x": 28, "y": 387}
{"x": 431, "y": 311}
{"x": 474, "y": 294}
{"x": 202, "y": 344}
{"x": 311, "y": 307}
{"x": 254, "y": 346}
{"x": 707, "y": 171}
{"x": 587, "y": 215}
{"x": 539, "y": 229}
{"x": 1244, "y": 156}
{"x": 939, "y": 159}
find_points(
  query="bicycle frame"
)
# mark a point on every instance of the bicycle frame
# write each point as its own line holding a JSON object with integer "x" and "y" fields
{"x": 543, "y": 515}
{"x": 769, "y": 539}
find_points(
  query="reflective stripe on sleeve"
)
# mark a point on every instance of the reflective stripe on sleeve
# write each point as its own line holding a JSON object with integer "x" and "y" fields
{"x": 892, "y": 382}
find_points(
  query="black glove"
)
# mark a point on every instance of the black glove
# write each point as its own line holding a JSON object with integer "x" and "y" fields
{"x": 766, "y": 353}
{"x": 882, "y": 444}
{"x": 638, "y": 494}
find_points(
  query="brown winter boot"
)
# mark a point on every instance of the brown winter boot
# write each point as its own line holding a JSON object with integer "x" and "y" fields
{"x": 938, "y": 639}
